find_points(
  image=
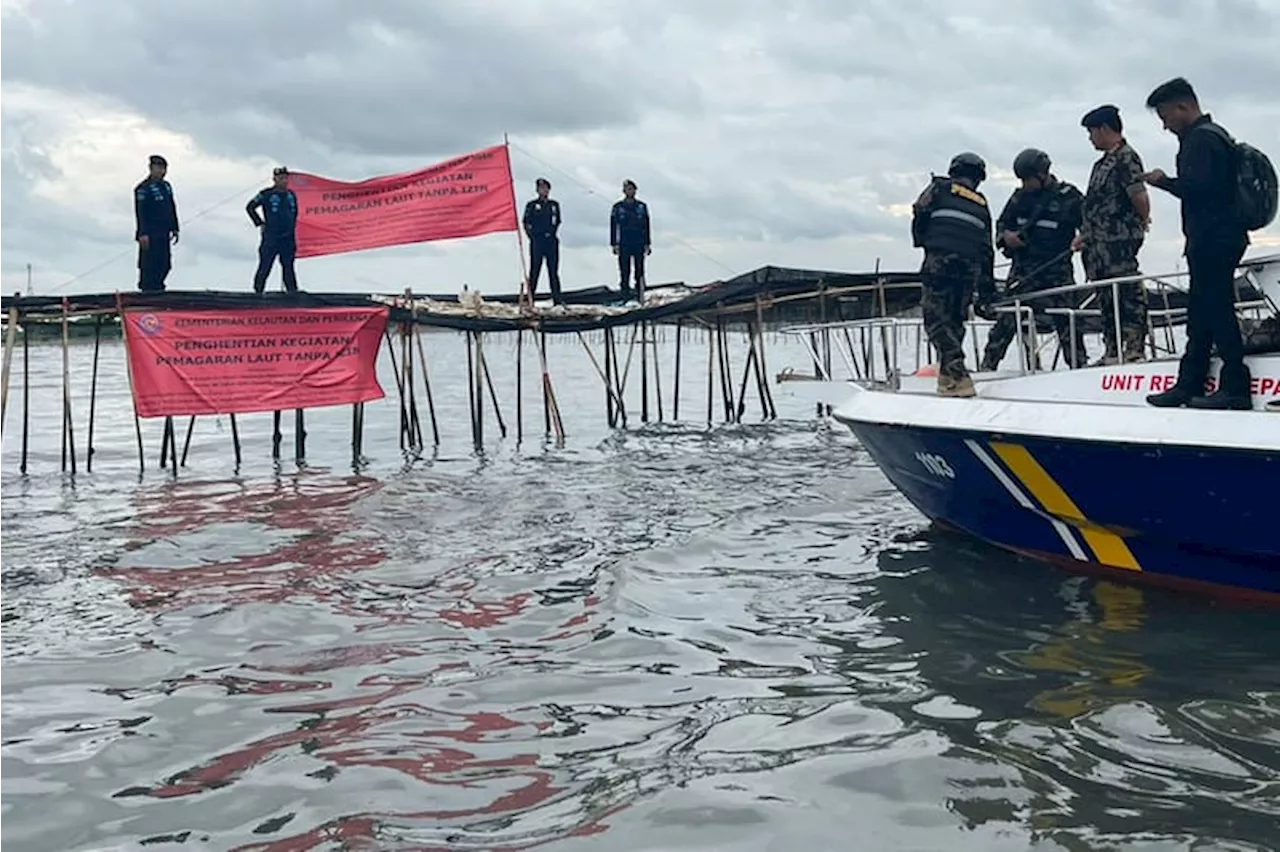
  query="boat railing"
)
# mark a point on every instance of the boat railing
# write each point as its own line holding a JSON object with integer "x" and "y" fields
{"x": 875, "y": 351}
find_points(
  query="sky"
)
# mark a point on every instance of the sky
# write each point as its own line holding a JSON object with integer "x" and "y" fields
{"x": 784, "y": 132}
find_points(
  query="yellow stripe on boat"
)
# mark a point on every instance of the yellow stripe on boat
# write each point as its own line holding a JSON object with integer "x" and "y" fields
{"x": 1109, "y": 548}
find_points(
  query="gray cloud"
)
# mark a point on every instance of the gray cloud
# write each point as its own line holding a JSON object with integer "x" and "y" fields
{"x": 392, "y": 79}
{"x": 751, "y": 126}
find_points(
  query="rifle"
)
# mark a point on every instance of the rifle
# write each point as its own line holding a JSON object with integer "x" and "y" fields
{"x": 1024, "y": 233}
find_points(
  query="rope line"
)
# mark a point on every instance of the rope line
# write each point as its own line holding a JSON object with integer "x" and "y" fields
{"x": 129, "y": 251}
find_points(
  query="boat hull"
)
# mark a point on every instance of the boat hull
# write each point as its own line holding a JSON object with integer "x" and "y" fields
{"x": 1186, "y": 516}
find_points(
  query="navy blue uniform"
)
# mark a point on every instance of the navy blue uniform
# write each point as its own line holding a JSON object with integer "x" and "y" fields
{"x": 279, "y": 237}
{"x": 629, "y": 233}
{"x": 542, "y": 226}
{"x": 155, "y": 217}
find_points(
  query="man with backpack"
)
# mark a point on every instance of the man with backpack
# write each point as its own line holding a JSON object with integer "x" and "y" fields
{"x": 1222, "y": 185}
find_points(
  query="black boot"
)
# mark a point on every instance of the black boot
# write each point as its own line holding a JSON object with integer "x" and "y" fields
{"x": 1175, "y": 397}
{"x": 1232, "y": 393}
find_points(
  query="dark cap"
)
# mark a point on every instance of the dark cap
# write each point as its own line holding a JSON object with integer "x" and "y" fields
{"x": 629, "y": 182}
{"x": 542, "y": 182}
{"x": 280, "y": 170}
{"x": 157, "y": 160}
{"x": 1106, "y": 115}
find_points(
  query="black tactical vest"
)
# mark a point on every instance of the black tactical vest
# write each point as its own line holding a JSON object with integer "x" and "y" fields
{"x": 1056, "y": 213}
{"x": 958, "y": 221}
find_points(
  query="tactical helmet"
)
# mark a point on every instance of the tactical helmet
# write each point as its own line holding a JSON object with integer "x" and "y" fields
{"x": 968, "y": 162}
{"x": 1031, "y": 163}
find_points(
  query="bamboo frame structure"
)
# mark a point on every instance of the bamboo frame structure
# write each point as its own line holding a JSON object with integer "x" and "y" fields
{"x": 749, "y": 305}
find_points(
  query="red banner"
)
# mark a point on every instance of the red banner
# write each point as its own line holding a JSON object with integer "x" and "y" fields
{"x": 465, "y": 197}
{"x": 242, "y": 361}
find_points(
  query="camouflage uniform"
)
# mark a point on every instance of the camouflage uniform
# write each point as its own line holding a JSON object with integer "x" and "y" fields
{"x": 952, "y": 223}
{"x": 1030, "y": 273}
{"x": 949, "y": 283}
{"x": 1113, "y": 234}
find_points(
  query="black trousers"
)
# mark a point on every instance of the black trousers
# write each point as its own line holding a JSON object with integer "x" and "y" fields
{"x": 548, "y": 250}
{"x": 1211, "y": 318}
{"x": 268, "y": 250}
{"x": 631, "y": 257}
{"x": 154, "y": 263}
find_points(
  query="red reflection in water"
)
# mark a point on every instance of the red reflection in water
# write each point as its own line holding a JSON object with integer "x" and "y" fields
{"x": 322, "y": 546}
{"x": 373, "y": 727}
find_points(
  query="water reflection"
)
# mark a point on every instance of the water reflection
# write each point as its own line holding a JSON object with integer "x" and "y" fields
{"x": 676, "y": 640}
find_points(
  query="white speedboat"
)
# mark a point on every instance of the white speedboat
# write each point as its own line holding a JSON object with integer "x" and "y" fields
{"x": 1073, "y": 467}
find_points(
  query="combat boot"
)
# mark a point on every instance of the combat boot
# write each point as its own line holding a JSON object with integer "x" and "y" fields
{"x": 1232, "y": 393}
{"x": 961, "y": 387}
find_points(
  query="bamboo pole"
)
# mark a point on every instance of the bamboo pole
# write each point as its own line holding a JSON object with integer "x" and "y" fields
{"x": 68, "y": 421}
{"x": 493, "y": 396}
{"x": 644, "y": 371}
{"x": 235, "y": 440}
{"x": 426, "y": 382}
{"x": 26, "y": 396}
{"x": 395, "y": 369}
{"x": 657, "y": 375}
{"x": 276, "y": 437}
{"x": 479, "y": 379}
{"x": 186, "y": 442}
{"x": 608, "y": 391}
{"x": 519, "y": 386}
{"x": 471, "y": 391}
{"x": 675, "y": 390}
{"x": 93, "y": 392}
{"x": 11, "y": 337}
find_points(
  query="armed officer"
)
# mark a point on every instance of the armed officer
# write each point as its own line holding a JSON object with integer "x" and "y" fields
{"x": 279, "y": 205}
{"x": 1036, "y": 230}
{"x": 542, "y": 226}
{"x": 1117, "y": 216}
{"x": 951, "y": 221}
{"x": 155, "y": 216}
{"x": 630, "y": 237}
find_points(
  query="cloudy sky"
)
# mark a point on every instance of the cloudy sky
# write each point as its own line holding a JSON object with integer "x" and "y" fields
{"x": 792, "y": 132}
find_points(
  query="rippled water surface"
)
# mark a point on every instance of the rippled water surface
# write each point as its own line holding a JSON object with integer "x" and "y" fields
{"x": 668, "y": 637}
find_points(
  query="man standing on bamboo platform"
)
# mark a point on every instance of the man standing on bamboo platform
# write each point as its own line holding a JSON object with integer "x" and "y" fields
{"x": 630, "y": 237}
{"x": 1116, "y": 218}
{"x": 542, "y": 227}
{"x": 279, "y": 205}
{"x": 951, "y": 221}
{"x": 155, "y": 216}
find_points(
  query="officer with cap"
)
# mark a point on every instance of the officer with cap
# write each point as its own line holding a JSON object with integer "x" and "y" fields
{"x": 279, "y": 205}
{"x": 1116, "y": 218}
{"x": 630, "y": 237}
{"x": 1036, "y": 230}
{"x": 951, "y": 221}
{"x": 155, "y": 226}
{"x": 541, "y": 222}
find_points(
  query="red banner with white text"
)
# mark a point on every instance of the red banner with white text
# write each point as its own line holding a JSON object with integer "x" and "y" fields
{"x": 243, "y": 361}
{"x": 464, "y": 197}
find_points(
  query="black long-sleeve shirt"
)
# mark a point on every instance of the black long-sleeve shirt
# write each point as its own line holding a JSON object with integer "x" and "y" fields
{"x": 629, "y": 224}
{"x": 542, "y": 219}
{"x": 154, "y": 210}
{"x": 1206, "y": 185}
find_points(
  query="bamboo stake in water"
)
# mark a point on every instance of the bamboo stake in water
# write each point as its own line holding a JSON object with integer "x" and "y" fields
{"x": 675, "y": 391}
{"x": 26, "y": 395}
{"x": 93, "y": 392}
{"x": 235, "y": 440}
{"x": 10, "y": 338}
{"x": 644, "y": 372}
{"x": 519, "y": 385}
{"x": 69, "y": 432}
{"x": 128, "y": 369}
{"x": 426, "y": 381}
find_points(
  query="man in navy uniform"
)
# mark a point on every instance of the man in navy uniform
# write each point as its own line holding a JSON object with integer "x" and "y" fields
{"x": 630, "y": 237}
{"x": 279, "y": 205}
{"x": 542, "y": 226}
{"x": 155, "y": 226}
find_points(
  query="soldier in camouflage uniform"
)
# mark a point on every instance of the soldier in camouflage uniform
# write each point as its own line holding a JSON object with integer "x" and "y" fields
{"x": 1035, "y": 230}
{"x": 952, "y": 223}
{"x": 1117, "y": 214}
